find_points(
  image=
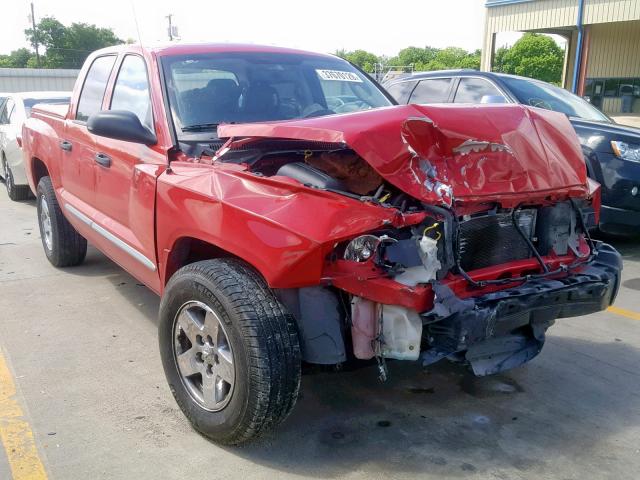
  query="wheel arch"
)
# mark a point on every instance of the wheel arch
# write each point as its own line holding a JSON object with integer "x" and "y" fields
{"x": 38, "y": 170}
{"x": 190, "y": 249}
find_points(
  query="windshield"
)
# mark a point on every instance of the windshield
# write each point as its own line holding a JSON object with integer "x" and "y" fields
{"x": 30, "y": 102}
{"x": 544, "y": 95}
{"x": 209, "y": 89}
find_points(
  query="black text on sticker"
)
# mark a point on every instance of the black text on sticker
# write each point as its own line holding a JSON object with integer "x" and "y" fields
{"x": 338, "y": 75}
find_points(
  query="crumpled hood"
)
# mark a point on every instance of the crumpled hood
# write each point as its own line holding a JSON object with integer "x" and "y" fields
{"x": 448, "y": 153}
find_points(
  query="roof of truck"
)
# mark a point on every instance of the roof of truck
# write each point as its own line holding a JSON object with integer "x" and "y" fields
{"x": 191, "y": 48}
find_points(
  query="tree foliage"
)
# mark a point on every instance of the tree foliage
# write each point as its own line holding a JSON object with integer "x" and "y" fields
{"x": 421, "y": 59}
{"x": 16, "y": 59}
{"x": 365, "y": 60}
{"x": 534, "y": 56}
{"x": 68, "y": 47}
{"x": 60, "y": 46}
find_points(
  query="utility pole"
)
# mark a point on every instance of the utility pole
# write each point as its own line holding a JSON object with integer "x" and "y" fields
{"x": 168, "y": 17}
{"x": 35, "y": 35}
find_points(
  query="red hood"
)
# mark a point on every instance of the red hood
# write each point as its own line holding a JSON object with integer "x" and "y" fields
{"x": 441, "y": 154}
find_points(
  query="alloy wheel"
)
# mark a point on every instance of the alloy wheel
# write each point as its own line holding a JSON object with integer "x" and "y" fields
{"x": 45, "y": 220}
{"x": 203, "y": 355}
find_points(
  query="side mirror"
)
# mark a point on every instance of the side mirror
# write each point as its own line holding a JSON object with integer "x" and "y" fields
{"x": 493, "y": 99}
{"x": 120, "y": 125}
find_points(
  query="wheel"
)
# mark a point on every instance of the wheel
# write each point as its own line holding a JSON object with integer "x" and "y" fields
{"x": 16, "y": 192}
{"x": 230, "y": 350}
{"x": 63, "y": 245}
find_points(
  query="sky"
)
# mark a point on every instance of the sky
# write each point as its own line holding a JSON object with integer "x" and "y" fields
{"x": 381, "y": 27}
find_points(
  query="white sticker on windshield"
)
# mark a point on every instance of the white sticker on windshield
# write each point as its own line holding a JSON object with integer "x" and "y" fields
{"x": 338, "y": 75}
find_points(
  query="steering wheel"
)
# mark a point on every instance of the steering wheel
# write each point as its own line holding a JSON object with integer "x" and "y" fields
{"x": 538, "y": 102}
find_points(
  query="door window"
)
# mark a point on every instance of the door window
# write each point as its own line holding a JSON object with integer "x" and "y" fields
{"x": 401, "y": 91}
{"x": 4, "y": 113}
{"x": 432, "y": 90}
{"x": 94, "y": 86}
{"x": 471, "y": 90}
{"x": 131, "y": 91}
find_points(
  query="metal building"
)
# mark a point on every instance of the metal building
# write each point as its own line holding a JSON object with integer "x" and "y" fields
{"x": 37, "y": 79}
{"x": 603, "y": 44}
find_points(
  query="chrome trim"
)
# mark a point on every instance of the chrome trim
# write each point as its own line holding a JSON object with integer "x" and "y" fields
{"x": 125, "y": 247}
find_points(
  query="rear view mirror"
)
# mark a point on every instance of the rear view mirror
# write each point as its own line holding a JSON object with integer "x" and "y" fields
{"x": 120, "y": 125}
{"x": 493, "y": 99}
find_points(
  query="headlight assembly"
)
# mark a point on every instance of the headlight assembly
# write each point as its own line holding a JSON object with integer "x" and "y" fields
{"x": 626, "y": 151}
{"x": 361, "y": 248}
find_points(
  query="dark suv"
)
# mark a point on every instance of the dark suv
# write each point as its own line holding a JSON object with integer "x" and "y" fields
{"x": 612, "y": 151}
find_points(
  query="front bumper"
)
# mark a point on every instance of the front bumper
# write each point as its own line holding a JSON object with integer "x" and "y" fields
{"x": 501, "y": 330}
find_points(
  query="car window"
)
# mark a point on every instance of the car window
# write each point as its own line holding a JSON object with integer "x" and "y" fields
{"x": 4, "y": 113}
{"x": 94, "y": 86}
{"x": 545, "y": 95}
{"x": 30, "y": 102}
{"x": 401, "y": 91}
{"x": 432, "y": 90}
{"x": 471, "y": 90}
{"x": 205, "y": 90}
{"x": 7, "y": 111}
{"x": 131, "y": 90}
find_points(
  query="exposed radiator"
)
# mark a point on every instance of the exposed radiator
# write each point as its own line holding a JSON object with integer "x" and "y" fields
{"x": 493, "y": 239}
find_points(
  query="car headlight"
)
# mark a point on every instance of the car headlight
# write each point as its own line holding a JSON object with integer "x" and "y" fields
{"x": 626, "y": 151}
{"x": 361, "y": 248}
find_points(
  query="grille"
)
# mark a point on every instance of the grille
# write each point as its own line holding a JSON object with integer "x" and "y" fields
{"x": 489, "y": 240}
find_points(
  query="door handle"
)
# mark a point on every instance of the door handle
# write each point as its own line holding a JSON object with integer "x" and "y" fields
{"x": 65, "y": 145}
{"x": 103, "y": 160}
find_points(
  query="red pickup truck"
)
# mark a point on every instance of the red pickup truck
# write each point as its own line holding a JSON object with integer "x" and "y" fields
{"x": 287, "y": 211}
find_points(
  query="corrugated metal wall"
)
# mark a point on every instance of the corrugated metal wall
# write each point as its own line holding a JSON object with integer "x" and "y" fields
{"x": 614, "y": 50}
{"x": 545, "y": 15}
{"x": 36, "y": 79}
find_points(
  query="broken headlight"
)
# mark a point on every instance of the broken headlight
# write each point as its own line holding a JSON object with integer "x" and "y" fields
{"x": 361, "y": 248}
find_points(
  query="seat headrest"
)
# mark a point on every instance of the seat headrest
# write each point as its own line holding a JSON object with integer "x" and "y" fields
{"x": 261, "y": 98}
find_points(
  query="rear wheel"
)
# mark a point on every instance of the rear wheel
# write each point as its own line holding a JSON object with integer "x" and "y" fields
{"x": 63, "y": 245}
{"x": 16, "y": 192}
{"x": 230, "y": 350}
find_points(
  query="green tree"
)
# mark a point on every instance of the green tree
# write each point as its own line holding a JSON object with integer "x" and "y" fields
{"x": 16, "y": 59}
{"x": 68, "y": 47}
{"x": 414, "y": 56}
{"x": 365, "y": 60}
{"x": 535, "y": 56}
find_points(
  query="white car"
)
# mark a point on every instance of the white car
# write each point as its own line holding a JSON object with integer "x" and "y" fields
{"x": 14, "y": 110}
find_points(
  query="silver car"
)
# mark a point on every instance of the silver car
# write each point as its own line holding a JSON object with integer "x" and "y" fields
{"x": 14, "y": 110}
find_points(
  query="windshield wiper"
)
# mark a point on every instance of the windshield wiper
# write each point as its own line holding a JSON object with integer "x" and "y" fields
{"x": 199, "y": 127}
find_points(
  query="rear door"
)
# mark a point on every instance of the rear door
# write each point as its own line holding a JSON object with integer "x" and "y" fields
{"x": 126, "y": 175}
{"x": 77, "y": 144}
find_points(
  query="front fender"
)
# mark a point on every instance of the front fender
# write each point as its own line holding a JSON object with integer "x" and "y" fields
{"x": 282, "y": 229}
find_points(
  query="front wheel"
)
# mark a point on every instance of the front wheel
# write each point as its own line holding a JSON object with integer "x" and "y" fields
{"x": 230, "y": 350}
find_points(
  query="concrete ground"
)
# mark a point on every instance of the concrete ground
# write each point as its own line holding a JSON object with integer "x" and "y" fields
{"x": 82, "y": 350}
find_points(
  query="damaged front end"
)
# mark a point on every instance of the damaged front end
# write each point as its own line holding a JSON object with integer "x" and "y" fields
{"x": 486, "y": 245}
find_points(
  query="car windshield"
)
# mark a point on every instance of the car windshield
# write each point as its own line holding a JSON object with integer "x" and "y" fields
{"x": 30, "y": 102}
{"x": 206, "y": 90}
{"x": 544, "y": 95}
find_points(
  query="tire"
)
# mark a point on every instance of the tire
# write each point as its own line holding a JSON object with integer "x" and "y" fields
{"x": 260, "y": 334}
{"x": 16, "y": 193}
{"x": 63, "y": 245}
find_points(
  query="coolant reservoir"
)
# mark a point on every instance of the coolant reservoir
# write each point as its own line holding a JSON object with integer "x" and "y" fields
{"x": 401, "y": 333}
